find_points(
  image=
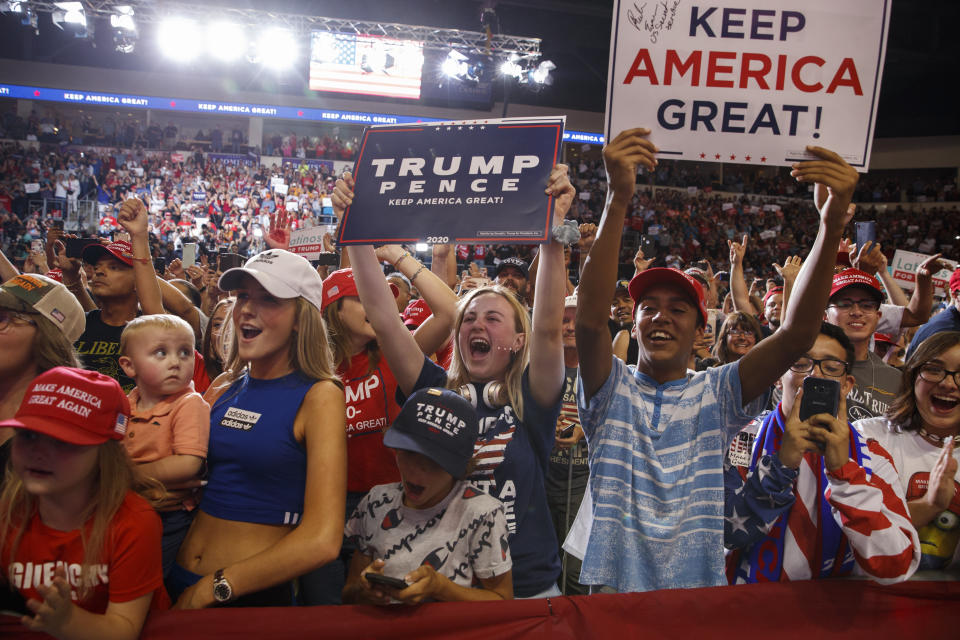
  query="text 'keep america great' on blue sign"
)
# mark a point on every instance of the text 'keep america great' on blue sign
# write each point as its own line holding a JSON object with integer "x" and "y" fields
{"x": 478, "y": 181}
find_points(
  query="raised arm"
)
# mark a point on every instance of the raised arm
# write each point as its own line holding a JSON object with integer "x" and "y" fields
{"x": 436, "y": 330}
{"x": 834, "y": 181}
{"x": 444, "y": 264}
{"x": 788, "y": 271}
{"x": 917, "y": 311}
{"x": 133, "y": 218}
{"x": 738, "y": 284}
{"x": 621, "y": 157}
{"x": 73, "y": 277}
{"x": 546, "y": 343}
{"x": 398, "y": 345}
{"x": 178, "y": 304}
{"x": 870, "y": 259}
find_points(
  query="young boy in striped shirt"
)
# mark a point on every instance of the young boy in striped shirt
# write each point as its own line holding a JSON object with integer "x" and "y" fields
{"x": 657, "y": 433}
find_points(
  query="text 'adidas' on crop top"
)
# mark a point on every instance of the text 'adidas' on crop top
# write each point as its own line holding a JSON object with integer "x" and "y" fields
{"x": 258, "y": 471}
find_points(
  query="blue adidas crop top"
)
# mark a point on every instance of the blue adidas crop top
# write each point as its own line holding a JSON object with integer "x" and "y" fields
{"x": 258, "y": 471}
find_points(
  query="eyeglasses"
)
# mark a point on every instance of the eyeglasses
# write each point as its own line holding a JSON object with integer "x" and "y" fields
{"x": 868, "y": 306}
{"x": 828, "y": 366}
{"x": 746, "y": 333}
{"x": 935, "y": 374}
{"x": 8, "y": 318}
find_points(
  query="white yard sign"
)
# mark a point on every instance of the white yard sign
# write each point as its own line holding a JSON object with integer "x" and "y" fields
{"x": 748, "y": 81}
{"x": 904, "y": 270}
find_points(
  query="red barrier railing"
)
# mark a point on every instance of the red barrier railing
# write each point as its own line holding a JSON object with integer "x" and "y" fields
{"x": 812, "y": 610}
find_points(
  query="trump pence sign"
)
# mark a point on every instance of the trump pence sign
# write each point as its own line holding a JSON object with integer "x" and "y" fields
{"x": 476, "y": 181}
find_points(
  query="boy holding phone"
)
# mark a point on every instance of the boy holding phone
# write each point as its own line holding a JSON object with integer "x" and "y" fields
{"x": 433, "y": 536}
{"x": 820, "y": 494}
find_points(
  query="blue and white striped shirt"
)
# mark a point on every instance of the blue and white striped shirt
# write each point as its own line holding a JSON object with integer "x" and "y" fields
{"x": 656, "y": 476}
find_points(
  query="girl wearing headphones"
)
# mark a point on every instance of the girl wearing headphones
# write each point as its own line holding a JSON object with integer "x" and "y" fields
{"x": 511, "y": 371}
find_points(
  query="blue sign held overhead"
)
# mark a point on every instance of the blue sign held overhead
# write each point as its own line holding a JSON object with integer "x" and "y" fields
{"x": 471, "y": 181}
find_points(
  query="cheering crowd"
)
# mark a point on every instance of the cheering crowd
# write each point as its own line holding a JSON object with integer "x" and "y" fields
{"x": 377, "y": 430}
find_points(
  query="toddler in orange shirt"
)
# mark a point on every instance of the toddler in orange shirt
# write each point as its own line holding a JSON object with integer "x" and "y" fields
{"x": 170, "y": 426}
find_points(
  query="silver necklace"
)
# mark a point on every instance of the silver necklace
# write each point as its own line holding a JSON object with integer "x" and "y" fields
{"x": 937, "y": 440}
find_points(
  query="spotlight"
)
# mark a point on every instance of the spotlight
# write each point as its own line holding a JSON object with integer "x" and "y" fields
{"x": 179, "y": 39}
{"x": 454, "y": 65}
{"x": 511, "y": 66}
{"x": 71, "y": 17}
{"x": 422, "y": 247}
{"x": 463, "y": 68}
{"x": 124, "y": 29}
{"x": 277, "y": 49}
{"x": 226, "y": 41}
{"x": 28, "y": 17}
{"x": 541, "y": 75}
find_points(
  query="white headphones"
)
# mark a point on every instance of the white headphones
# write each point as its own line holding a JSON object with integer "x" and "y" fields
{"x": 494, "y": 394}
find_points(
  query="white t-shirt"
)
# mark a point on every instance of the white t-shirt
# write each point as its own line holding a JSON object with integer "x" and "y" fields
{"x": 914, "y": 457}
{"x": 463, "y": 536}
{"x": 891, "y": 317}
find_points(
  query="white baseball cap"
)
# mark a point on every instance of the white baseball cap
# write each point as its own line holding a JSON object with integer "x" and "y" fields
{"x": 281, "y": 273}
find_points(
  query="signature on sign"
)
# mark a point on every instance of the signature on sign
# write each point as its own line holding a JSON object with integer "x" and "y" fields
{"x": 660, "y": 19}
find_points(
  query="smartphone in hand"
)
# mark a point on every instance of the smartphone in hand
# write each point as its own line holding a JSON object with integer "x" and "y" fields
{"x": 74, "y": 246}
{"x": 820, "y": 395}
{"x": 385, "y": 581}
{"x": 648, "y": 246}
{"x": 189, "y": 254}
{"x": 866, "y": 232}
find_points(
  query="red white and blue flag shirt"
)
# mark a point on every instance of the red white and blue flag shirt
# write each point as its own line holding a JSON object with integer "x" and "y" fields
{"x": 850, "y": 521}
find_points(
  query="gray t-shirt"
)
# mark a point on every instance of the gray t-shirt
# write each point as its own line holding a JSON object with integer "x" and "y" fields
{"x": 463, "y": 536}
{"x": 877, "y": 385}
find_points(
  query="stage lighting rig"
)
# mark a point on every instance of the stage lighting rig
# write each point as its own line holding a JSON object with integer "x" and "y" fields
{"x": 226, "y": 41}
{"x": 28, "y": 17}
{"x": 179, "y": 39}
{"x": 277, "y": 49}
{"x": 124, "y": 29}
{"x": 72, "y": 18}
{"x": 511, "y": 67}
{"x": 459, "y": 66}
{"x": 541, "y": 75}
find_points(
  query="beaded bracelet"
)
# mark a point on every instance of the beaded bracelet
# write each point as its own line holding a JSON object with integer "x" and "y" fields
{"x": 405, "y": 254}
{"x": 416, "y": 273}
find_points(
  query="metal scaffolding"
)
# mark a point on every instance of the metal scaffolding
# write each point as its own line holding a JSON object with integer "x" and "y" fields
{"x": 152, "y": 11}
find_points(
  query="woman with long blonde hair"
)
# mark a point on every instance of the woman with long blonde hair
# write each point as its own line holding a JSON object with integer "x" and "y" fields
{"x": 512, "y": 371}
{"x": 273, "y": 506}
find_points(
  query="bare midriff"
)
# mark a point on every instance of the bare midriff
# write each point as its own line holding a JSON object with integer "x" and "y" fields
{"x": 214, "y": 543}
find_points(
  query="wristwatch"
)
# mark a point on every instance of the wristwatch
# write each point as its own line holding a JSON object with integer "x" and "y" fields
{"x": 222, "y": 591}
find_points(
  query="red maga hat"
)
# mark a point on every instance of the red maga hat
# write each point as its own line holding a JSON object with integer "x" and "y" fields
{"x": 856, "y": 278}
{"x": 73, "y": 405}
{"x": 669, "y": 277}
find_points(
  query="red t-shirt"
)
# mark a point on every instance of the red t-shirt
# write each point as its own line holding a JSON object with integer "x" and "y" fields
{"x": 201, "y": 380}
{"x": 130, "y": 567}
{"x": 371, "y": 408}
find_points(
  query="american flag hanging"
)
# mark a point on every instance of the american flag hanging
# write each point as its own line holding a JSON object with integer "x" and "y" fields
{"x": 368, "y": 65}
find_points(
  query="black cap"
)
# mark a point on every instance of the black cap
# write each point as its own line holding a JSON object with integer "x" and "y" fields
{"x": 513, "y": 262}
{"x": 439, "y": 424}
